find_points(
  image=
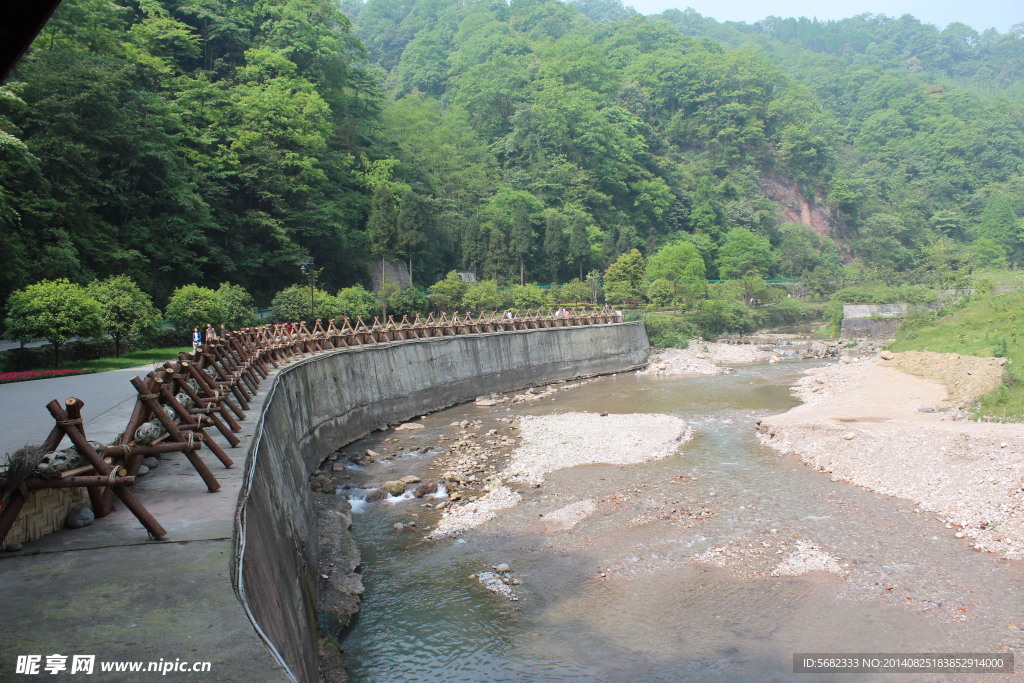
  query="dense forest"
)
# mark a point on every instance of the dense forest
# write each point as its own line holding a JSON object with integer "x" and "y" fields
{"x": 181, "y": 141}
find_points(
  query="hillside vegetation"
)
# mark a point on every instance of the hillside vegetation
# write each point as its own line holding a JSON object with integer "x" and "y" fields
{"x": 988, "y": 325}
{"x": 181, "y": 141}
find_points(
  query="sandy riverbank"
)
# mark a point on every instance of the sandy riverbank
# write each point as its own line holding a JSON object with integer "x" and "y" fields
{"x": 876, "y": 426}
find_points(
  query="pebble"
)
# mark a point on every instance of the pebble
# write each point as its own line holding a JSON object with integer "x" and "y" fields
{"x": 151, "y": 462}
{"x": 143, "y": 471}
{"x": 502, "y": 568}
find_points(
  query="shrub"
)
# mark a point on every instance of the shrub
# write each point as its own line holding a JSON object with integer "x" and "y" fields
{"x": 357, "y": 301}
{"x": 484, "y": 295}
{"x": 529, "y": 296}
{"x": 293, "y": 304}
{"x": 448, "y": 294}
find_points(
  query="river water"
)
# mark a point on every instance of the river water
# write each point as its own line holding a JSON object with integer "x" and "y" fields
{"x": 624, "y": 596}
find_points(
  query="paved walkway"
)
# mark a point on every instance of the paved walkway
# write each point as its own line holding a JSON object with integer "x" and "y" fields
{"x": 109, "y": 591}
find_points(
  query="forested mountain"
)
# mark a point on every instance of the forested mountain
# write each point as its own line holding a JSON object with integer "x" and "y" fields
{"x": 187, "y": 140}
{"x": 901, "y": 141}
{"x": 531, "y": 140}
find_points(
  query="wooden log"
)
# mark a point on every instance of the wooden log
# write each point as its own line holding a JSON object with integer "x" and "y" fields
{"x": 160, "y": 449}
{"x": 164, "y": 388}
{"x": 100, "y": 499}
{"x": 78, "y": 439}
{"x": 197, "y": 462}
{"x": 223, "y": 405}
{"x": 76, "y": 482}
{"x": 10, "y": 511}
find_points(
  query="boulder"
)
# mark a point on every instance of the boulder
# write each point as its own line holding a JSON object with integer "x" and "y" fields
{"x": 408, "y": 426}
{"x": 425, "y": 489}
{"x": 151, "y": 462}
{"x": 395, "y": 488}
{"x": 410, "y": 479}
{"x": 79, "y": 518}
{"x": 375, "y": 495}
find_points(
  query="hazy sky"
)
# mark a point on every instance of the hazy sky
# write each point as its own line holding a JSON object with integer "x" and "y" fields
{"x": 981, "y": 14}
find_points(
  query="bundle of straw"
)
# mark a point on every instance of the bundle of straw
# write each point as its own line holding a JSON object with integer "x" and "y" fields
{"x": 20, "y": 466}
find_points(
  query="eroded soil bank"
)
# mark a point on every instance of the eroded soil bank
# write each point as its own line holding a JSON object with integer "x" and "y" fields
{"x": 715, "y": 561}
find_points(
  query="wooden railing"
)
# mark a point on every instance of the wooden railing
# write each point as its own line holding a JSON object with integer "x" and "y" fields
{"x": 211, "y": 388}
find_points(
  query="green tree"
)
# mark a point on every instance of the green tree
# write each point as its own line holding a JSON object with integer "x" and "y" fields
{"x": 624, "y": 278}
{"x": 195, "y": 306}
{"x": 529, "y": 296}
{"x": 357, "y": 301}
{"x": 408, "y": 301}
{"x": 448, "y": 294}
{"x": 294, "y": 303}
{"x": 238, "y": 305}
{"x": 998, "y": 222}
{"x": 662, "y": 292}
{"x": 680, "y": 264}
{"x": 127, "y": 310}
{"x": 509, "y": 221}
{"x": 744, "y": 254}
{"x": 54, "y": 310}
{"x": 484, "y": 295}
{"x": 574, "y": 291}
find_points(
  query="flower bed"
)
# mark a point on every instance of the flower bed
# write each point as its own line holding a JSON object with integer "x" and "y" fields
{"x": 6, "y": 377}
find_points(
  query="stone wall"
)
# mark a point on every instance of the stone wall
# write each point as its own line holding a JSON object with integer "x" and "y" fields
{"x": 875, "y": 321}
{"x": 319, "y": 404}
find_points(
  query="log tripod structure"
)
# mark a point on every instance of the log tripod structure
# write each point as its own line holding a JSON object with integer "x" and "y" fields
{"x": 212, "y": 388}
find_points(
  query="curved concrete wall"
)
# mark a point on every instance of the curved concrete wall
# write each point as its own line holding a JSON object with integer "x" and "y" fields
{"x": 317, "y": 405}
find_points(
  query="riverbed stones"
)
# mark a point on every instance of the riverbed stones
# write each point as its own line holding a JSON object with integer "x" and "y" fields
{"x": 553, "y": 442}
{"x": 395, "y": 488}
{"x": 410, "y": 479}
{"x": 425, "y": 489}
{"x": 493, "y": 583}
{"x": 502, "y": 568}
{"x": 375, "y": 495}
{"x": 408, "y": 427}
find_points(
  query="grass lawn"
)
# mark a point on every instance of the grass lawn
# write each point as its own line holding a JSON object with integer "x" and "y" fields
{"x": 990, "y": 325}
{"x": 129, "y": 360}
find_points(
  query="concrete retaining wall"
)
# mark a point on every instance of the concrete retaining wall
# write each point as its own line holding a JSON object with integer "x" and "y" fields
{"x": 317, "y": 405}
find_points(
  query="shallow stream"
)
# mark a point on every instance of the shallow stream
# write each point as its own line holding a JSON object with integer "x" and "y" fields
{"x": 622, "y": 596}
